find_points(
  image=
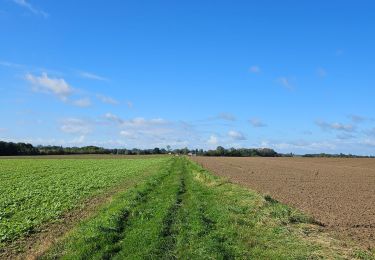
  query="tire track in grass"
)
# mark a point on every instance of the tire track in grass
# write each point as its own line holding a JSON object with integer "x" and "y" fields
{"x": 199, "y": 236}
{"x": 169, "y": 233}
{"x": 150, "y": 222}
{"x": 101, "y": 237}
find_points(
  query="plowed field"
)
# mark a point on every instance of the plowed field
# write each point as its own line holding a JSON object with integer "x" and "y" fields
{"x": 339, "y": 193}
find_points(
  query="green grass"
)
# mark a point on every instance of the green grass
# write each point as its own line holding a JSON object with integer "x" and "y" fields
{"x": 36, "y": 191}
{"x": 184, "y": 212}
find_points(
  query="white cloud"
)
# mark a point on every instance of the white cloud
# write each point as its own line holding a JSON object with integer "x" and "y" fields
{"x": 213, "y": 140}
{"x": 88, "y": 75}
{"x": 83, "y": 102}
{"x": 256, "y": 122}
{"x": 300, "y": 145}
{"x": 31, "y": 8}
{"x": 75, "y": 126}
{"x": 107, "y": 100}
{"x": 78, "y": 140}
{"x": 235, "y": 135}
{"x": 141, "y": 122}
{"x": 56, "y": 86}
{"x": 254, "y": 69}
{"x": 128, "y": 134}
{"x": 369, "y": 142}
{"x": 335, "y": 126}
{"x": 113, "y": 118}
{"x": 285, "y": 82}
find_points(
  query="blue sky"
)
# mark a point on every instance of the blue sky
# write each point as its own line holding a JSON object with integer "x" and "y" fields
{"x": 296, "y": 76}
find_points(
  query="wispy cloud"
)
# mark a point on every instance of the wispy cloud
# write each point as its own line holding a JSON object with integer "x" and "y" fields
{"x": 76, "y": 126}
{"x": 236, "y": 135}
{"x": 285, "y": 82}
{"x": 357, "y": 118}
{"x": 368, "y": 142}
{"x": 300, "y": 145}
{"x": 107, "y": 100}
{"x": 142, "y": 122}
{"x": 129, "y": 104}
{"x": 128, "y": 134}
{"x": 345, "y": 136}
{"x": 56, "y": 86}
{"x": 31, "y": 8}
{"x": 223, "y": 116}
{"x": 113, "y": 118}
{"x": 92, "y": 76}
{"x": 213, "y": 140}
{"x": 83, "y": 102}
{"x": 370, "y": 132}
{"x": 256, "y": 122}
{"x": 254, "y": 69}
{"x": 335, "y": 126}
{"x": 11, "y": 65}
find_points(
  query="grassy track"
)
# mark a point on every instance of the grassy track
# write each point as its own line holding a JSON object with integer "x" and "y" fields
{"x": 184, "y": 212}
{"x": 33, "y": 192}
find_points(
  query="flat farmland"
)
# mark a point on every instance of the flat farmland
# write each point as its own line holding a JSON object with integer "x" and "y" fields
{"x": 108, "y": 207}
{"x": 338, "y": 193}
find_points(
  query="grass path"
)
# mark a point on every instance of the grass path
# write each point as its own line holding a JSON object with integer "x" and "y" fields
{"x": 185, "y": 212}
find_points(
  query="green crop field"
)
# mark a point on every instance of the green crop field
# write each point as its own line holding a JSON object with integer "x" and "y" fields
{"x": 36, "y": 191}
{"x": 160, "y": 208}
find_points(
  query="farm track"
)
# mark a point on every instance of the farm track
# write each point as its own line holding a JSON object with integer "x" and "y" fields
{"x": 338, "y": 193}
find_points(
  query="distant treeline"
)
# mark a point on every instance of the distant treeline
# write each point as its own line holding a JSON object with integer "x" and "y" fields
{"x": 240, "y": 152}
{"x": 9, "y": 148}
{"x": 340, "y": 155}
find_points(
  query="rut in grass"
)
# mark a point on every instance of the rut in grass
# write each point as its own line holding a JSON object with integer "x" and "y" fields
{"x": 168, "y": 235}
{"x": 100, "y": 237}
{"x": 142, "y": 197}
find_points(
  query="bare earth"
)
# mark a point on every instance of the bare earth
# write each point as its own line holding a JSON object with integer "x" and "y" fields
{"x": 340, "y": 193}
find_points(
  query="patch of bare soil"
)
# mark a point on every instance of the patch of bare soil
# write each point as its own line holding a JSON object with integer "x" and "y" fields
{"x": 339, "y": 193}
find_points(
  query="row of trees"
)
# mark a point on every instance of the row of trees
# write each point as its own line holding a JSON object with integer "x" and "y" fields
{"x": 8, "y": 148}
{"x": 17, "y": 149}
{"x": 341, "y": 155}
{"x": 241, "y": 152}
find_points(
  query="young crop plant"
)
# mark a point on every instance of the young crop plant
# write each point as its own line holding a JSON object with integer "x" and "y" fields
{"x": 35, "y": 192}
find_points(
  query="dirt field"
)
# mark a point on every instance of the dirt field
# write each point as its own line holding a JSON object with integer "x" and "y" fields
{"x": 340, "y": 193}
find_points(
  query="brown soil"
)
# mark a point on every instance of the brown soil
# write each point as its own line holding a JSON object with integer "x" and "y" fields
{"x": 339, "y": 193}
